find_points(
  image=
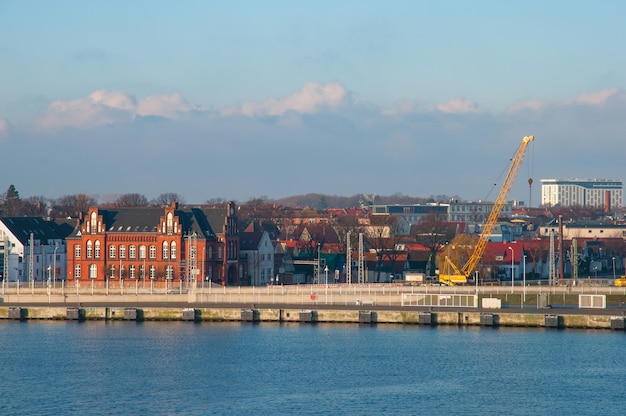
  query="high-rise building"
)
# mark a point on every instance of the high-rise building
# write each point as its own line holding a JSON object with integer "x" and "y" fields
{"x": 597, "y": 193}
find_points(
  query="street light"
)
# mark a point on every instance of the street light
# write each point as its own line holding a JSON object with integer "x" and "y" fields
{"x": 512, "y": 269}
{"x": 54, "y": 266}
{"x": 613, "y": 268}
{"x": 326, "y": 271}
{"x": 524, "y": 271}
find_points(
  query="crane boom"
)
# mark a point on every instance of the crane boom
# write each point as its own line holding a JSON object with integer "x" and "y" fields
{"x": 460, "y": 275}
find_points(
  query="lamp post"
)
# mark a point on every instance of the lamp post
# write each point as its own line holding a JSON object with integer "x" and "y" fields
{"x": 54, "y": 266}
{"x": 614, "y": 268}
{"x": 512, "y": 269}
{"x": 326, "y": 272}
{"x": 524, "y": 272}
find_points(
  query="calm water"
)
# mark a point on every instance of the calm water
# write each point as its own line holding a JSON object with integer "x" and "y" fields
{"x": 156, "y": 368}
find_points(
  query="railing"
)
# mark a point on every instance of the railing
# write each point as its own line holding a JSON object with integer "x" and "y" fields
{"x": 129, "y": 290}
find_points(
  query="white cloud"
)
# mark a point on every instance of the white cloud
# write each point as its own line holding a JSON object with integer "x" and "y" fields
{"x": 4, "y": 128}
{"x": 113, "y": 99}
{"x": 458, "y": 105}
{"x": 103, "y": 107}
{"x": 100, "y": 108}
{"x": 170, "y": 106}
{"x": 309, "y": 100}
{"x": 532, "y": 105}
{"x": 403, "y": 106}
{"x": 594, "y": 98}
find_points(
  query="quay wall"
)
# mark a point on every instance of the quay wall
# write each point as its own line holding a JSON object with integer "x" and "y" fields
{"x": 316, "y": 315}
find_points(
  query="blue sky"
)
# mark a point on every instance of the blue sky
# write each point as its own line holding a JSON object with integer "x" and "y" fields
{"x": 243, "y": 99}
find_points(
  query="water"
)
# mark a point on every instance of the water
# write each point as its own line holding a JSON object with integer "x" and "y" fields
{"x": 178, "y": 368}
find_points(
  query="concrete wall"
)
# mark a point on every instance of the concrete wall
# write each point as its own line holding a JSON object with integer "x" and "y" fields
{"x": 457, "y": 318}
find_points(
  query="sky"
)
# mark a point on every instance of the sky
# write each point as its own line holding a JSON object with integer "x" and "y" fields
{"x": 246, "y": 99}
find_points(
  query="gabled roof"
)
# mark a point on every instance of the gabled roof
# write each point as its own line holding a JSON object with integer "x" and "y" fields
{"x": 202, "y": 222}
{"x": 22, "y": 227}
{"x": 131, "y": 220}
{"x": 250, "y": 240}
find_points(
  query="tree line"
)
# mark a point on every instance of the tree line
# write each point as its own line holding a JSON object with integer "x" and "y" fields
{"x": 12, "y": 205}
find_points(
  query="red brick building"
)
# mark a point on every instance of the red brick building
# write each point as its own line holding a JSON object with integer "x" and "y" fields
{"x": 166, "y": 243}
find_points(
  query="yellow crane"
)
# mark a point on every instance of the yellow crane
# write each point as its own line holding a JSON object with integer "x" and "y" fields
{"x": 460, "y": 276}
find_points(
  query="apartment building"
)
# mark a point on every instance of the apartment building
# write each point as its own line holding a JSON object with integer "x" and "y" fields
{"x": 595, "y": 193}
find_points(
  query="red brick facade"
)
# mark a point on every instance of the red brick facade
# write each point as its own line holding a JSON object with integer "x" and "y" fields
{"x": 157, "y": 244}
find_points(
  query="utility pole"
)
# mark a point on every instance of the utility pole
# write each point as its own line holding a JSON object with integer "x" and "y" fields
{"x": 561, "y": 260}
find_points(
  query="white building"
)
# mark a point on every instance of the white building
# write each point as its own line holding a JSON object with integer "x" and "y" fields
{"x": 257, "y": 250}
{"x": 31, "y": 249}
{"x": 476, "y": 212}
{"x": 596, "y": 193}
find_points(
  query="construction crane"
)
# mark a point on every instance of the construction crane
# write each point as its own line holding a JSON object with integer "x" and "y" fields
{"x": 460, "y": 276}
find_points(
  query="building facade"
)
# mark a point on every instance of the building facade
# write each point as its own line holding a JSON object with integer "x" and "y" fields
{"x": 257, "y": 250}
{"x": 475, "y": 212}
{"x": 31, "y": 249}
{"x": 595, "y": 193}
{"x": 411, "y": 213}
{"x": 157, "y": 244}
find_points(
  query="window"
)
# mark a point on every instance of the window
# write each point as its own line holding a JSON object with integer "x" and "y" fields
{"x": 165, "y": 250}
{"x": 122, "y": 252}
{"x": 219, "y": 252}
{"x": 76, "y": 271}
{"x": 152, "y": 272}
{"x": 210, "y": 252}
{"x": 173, "y": 252}
{"x": 93, "y": 222}
{"x": 132, "y": 271}
{"x": 112, "y": 251}
{"x": 194, "y": 252}
{"x": 169, "y": 223}
{"x": 153, "y": 252}
{"x": 77, "y": 251}
{"x": 97, "y": 250}
{"x": 132, "y": 252}
{"x": 142, "y": 252}
{"x": 93, "y": 271}
{"x": 112, "y": 271}
{"x": 122, "y": 272}
{"x": 89, "y": 249}
{"x": 142, "y": 271}
{"x": 169, "y": 272}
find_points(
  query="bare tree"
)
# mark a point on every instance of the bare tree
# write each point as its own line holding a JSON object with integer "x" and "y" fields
{"x": 433, "y": 232}
{"x": 382, "y": 237}
{"x": 167, "y": 198}
{"x": 73, "y": 205}
{"x": 131, "y": 200}
{"x": 345, "y": 224}
{"x": 37, "y": 206}
{"x": 216, "y": 201}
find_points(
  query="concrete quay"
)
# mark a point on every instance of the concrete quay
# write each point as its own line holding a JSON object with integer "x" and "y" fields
{"x": 357, "y": 304}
